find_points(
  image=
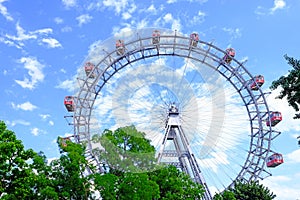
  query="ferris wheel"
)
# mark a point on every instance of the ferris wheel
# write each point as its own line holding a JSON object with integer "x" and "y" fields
{"x": 201, "y": 108}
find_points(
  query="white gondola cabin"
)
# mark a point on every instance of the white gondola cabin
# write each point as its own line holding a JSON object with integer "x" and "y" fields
{"x": 120, "y": 46}
{"x": 274, "y": 118}
{"x": 274, "y": 160}
{"x": 88, "y": 67}
{"x": 194, "y": 39}
{"x": 155, "y": 37}
{"x": 259, "y": 80}
{"x": 69, "y": 103}
{"x": 230, "y": 53}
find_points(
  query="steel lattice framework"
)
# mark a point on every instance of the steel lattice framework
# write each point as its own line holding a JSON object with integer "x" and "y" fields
{"x": 174, "y": 44}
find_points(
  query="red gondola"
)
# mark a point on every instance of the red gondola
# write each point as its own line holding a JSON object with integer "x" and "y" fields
{"x": 194, "y": 39}
{"x": 259, "y": 80}
{"x": 63, "y": 141}
{"x": 69, "y": 103}
{"x": 155, "y": 37}
{"x": 120, "y": 46}
{"x": 230, "y": 53}
{"x": 88, "y": 67}
{"x": 274, "y": 118}
{"x": 274, "y": 160}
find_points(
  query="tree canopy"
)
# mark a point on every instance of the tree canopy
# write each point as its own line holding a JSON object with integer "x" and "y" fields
{"x": 290, "y": 85}
{"x": 132, "y": 172}
{"x": 26, "y": 174}
{"x": 126, "y": 149}
{"x": 252, "y": 190}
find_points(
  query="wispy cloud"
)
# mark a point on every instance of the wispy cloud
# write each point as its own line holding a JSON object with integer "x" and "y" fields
{"x": 18, "y": 121}
{"x": 69, "y": 3}
{"x": 84, "y": 19}
{"x": 175, "y": 23}
{"x": 27, "y": 106}
{"x": 4, "y": 12}
{"x": 18, "y": 40}
{"x": 294, "y": 157}
{"x": 68, "y": 85}
{"x": 278, "y": 4}
{"x": 118, "y": 5}
{"x": 36, "y": 131}
{"x": 51, "y": 42}
{"x": 285, "y": 187}
{"x": 35, "y": 73}
{"x": 58, "y": 20}
{"x": 233, "y": 32}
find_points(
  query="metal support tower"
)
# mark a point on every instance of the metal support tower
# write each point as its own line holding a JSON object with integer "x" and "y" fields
{"x": 175, "y": 150}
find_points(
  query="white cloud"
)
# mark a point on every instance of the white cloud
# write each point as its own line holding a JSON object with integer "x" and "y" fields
{"x": 41, "y": 35}
{"x": 66, "y": 29}
{"x": 69, "y": 3}
{"x": 58, "y": 20}
{"x": 44, "y": 116}
{"x": 21, "y": 34}
{"x": 51, "y": 42}
{"x": 4, "y": 12}
{"x": 281, "y": 105}
{"x": 151, "y": 9}
{"x": 19, "y": 121}
{"x": 117, "y": 5}
{"x": 42, "y": 31}
{"x": 27, "y": 106}
{"x": 171, "y": 1}
{"x": 35, "y": 72}
{"x": 234, "y": 33}
{"x": 168, "y": 17}
{"x": 126, "y": 16}
{"x": 35, "y": 131}
{"x": 175, "y": 23}
{"x": 294, "y": 157}
{"x": 283, "y": 186}
{"x": 63, "y": 71}
{"x": 67, "y": 85}
{"x": 278, "y": 4}
{"x": 84, "y": 19}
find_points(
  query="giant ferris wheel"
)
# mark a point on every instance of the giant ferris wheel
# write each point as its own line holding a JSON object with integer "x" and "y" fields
{"x": 201, "y": 108}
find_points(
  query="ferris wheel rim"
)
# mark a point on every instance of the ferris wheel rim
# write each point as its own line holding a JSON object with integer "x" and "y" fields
{"x": 258, "y": 151}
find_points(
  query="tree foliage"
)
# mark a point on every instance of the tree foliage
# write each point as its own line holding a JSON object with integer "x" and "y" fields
{"x": 133, "y": 174}
{"x": 252, "y": 190}
{"x": 290, "y": 85}
{"x": 15, "y": 173}
{"x": 26, "y": 174}
{"x": 126, "y": 149}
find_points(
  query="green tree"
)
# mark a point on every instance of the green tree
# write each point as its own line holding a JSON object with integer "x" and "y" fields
{"x": 16, "y": 176}
{"x": 290, "y": 85}
{"x": 133, "y": 172}
{"x": 68, "y": 173}
{"x": 226, "y": 195}
{"x": 174, "y": 184}
{"x": 252, "y": 190}
{"x": 44, "y": 186}
{"x": 137, "y": 186}
{"x": 126, "y": 149}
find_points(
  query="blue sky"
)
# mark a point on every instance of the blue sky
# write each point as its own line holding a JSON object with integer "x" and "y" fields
{"x": 44, "y": 44}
